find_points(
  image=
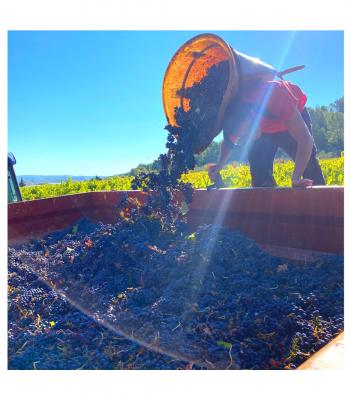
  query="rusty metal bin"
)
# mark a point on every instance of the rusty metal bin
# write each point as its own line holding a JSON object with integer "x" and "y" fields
{"x": 290, "y": 223}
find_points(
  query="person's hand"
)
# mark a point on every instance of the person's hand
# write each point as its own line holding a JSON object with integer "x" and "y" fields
{"x": 213, "y": 170}
{"x": 302, "y": 183}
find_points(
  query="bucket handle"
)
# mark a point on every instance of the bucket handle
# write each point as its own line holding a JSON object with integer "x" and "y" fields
{"x": 278, "y": 74}
{"x": 289, "y": 70}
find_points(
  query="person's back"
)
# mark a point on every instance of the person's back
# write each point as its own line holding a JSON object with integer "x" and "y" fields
{"x": 268, "y": 115}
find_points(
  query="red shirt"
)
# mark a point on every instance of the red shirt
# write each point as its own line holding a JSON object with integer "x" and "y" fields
{"x": 280, "y": 98}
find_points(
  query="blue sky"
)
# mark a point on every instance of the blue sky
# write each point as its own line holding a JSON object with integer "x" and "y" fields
{"x": 90, "y": 102}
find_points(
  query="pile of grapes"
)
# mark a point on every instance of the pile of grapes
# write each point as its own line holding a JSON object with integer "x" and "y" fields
{"x": 146, "y": 293}
{"x": 210, "y": 299}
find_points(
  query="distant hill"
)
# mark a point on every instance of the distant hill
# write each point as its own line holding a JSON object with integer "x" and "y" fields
{"x": 30, "y": 180}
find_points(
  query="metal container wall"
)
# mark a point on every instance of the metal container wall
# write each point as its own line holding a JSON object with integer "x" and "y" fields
{"x": 310, "y": 219}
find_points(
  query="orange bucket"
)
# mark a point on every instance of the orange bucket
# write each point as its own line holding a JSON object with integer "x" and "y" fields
{"x": 189, "y": 66}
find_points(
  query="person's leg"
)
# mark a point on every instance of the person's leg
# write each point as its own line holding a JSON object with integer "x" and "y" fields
{"x": 261, "y": 156}
{"x": 313, "y": 170}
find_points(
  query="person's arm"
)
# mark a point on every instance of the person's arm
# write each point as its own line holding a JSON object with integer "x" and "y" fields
{"x": 224, "y": 155}
{"x": 299, "y": 131}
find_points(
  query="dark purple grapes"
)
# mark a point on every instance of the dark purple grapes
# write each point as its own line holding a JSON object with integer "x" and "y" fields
{"x": 211, "y": 299}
